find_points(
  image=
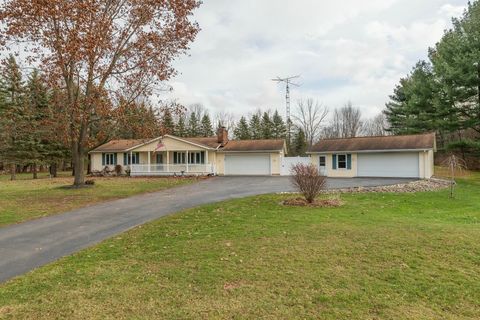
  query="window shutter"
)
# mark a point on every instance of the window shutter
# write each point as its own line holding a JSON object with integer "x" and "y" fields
{"x": 349, "y": 161}
{"x": 334, "y": 162}
{"x": 124, "y": 159}
{"x": 115, "y": 158}
{"x": 137, "y": 160}
{"x": 103, "y": 159}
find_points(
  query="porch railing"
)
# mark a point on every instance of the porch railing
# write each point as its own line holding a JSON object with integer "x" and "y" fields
{"x": 170, "y": 169}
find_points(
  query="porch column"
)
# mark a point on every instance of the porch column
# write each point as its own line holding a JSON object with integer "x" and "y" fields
{"x": 206, "y": 160}
{"x": 168, "y": 161}
{"x": 148, "y": 161}
{"x": 187, "y": 161}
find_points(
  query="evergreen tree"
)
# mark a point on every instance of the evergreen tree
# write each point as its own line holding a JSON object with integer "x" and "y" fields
{"x": 14, "y": 120}
{"x": 206, "y": 129}
{"x": 255, "y": 127}
{"x": 242, "y": 131}
{"x": 167, "y": 121}
{"x": 279, "y": 129}
{"x": 181, "y": 128}
{"x": 456, "y": 63}
{"x": 267, "y": 126}
{"x": 299, "y": 143}
{"x": 38, "y": 146}
{"x": 416, "y": 105}
{"x": 193, "y": 125}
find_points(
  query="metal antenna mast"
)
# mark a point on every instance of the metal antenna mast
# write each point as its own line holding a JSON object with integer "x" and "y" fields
{"x": 288, "y": 82}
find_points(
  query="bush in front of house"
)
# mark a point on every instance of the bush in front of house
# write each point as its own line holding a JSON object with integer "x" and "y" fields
{"x": 118, "y": 169}
{"x": 308, "y": 181}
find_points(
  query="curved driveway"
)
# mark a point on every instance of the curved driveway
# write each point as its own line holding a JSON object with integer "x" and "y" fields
{"x": 31, "y": 244}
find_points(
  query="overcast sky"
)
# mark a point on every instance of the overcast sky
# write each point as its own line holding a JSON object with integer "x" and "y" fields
{"x": 344, "y": 50}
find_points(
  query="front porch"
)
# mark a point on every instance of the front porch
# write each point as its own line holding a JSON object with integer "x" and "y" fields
{"x": 164, "y": 163}
{"x": 171, "y": 169}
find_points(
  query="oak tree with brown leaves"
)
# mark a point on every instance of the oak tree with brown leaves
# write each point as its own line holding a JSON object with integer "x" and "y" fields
{"x": 91, "y": 50}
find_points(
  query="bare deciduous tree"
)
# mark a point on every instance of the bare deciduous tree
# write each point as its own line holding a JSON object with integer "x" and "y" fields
{"x": 310, "y": 116}
{"x": 455, "y": 166}
{"x": 376, "y": 126}
{"x": 346, "y": 123}
{"x": 225, "y": 119}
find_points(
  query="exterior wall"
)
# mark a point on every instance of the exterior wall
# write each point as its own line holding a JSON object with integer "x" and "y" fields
{"x": 96, "y": 161}
{"x": 336, "y": 173}
{"x": 426, "y": 164}
{"x": 276, "y": 163}
{"x": 220, "y": 163}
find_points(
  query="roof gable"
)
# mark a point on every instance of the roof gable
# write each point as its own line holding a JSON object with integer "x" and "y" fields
{"x": 406, "y": 142}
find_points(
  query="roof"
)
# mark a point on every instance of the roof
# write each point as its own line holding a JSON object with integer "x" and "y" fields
{"x": 254, "y": 145}
{"x": 208, "y": 142}
{"x": 211, "y": 142}
{"x": 120, "y": 145}
{"x": 407, "y": 142}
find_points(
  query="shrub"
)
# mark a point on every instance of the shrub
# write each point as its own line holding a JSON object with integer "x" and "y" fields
{"x": 118, "y": 169}
{"x": 308, "y": 181}
{"x": 90, "y": 182}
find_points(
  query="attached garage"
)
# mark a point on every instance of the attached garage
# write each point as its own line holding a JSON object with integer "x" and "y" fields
{"x": 247, "y": 164}
{"x": 394, "y": 164}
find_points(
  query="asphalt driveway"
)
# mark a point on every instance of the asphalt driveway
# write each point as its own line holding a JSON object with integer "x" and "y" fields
{"x": 31, "y": 244}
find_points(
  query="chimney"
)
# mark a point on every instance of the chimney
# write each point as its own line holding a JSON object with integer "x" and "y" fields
{"x": 222, "y": 136}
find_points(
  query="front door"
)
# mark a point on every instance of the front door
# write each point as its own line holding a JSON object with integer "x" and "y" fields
{"x": 159, "y": 158}
{"x": 322, "y": 163}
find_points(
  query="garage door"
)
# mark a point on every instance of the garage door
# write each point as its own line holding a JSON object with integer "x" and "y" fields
{"x": 247, "y": 164}
{"x": 402, "y": 165}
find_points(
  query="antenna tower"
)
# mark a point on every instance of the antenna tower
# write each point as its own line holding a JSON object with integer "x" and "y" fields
{"x": 288, "y": 82}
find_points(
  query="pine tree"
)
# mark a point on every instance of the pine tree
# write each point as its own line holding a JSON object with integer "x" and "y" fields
{"x": 181, "y": 128}
{"x": 255, "y": 127}
{"x": 167, "y": 121}
{"x": 193, "y": 125}
{"x": 206, "y": 129}
{"x": 242, "y": 131}
{"x": 278, "y": 126}
{"x": 299, "y": 143}
{"x": 267, "y": 126}
{"x": 14, "y": 123}
{"x": 37, "y": 113}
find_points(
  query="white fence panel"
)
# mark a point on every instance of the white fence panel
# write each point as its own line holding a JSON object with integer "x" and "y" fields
{"x": 289, "y": 162}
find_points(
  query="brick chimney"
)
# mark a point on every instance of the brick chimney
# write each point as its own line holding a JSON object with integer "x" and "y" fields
{"x": 222, "y": 136}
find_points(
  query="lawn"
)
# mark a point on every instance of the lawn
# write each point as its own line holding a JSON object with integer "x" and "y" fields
{"x": 26, "y": 199}
{"x": 380, "y": 256}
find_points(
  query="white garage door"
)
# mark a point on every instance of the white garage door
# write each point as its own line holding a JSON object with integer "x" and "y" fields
{"x": 402, "y": 165}
{"x": 247, "y": 164}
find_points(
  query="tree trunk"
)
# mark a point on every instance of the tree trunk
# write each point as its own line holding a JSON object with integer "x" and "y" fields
{"x": 89, "y": 165}
{"x": 78, "y": 165}
{"x": 34, "y": 171}
{"x": 53, "y": 170}
{"x": 13, "y": 172}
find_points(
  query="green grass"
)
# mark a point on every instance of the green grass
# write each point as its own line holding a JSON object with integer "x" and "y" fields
{"x": 26, "y": 199}
{"x": 380, "y": 256}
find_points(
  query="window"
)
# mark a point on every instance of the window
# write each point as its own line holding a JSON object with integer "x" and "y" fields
{"x": 133, "y": 158}
{"x": 196, "y": 157}
{"x": 323, "y": 161}
{"x": 342, "y": 161}
{"x": 110, "y": 159}
{"x": 179, "y": 157}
